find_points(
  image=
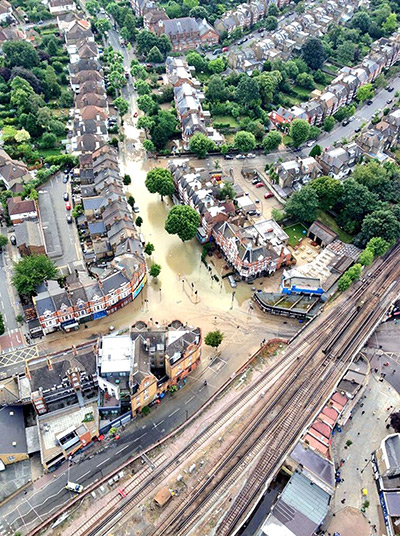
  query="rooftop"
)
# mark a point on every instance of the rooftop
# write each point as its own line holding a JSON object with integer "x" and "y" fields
{"x": 12, "y": 421}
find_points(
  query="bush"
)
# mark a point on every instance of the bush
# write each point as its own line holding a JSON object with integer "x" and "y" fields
{"x": 126, "y": 180}
{"x": 145, "y": 410}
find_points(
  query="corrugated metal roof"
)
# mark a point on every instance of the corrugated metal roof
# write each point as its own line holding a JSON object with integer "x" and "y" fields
{"x": 306, "y": 497}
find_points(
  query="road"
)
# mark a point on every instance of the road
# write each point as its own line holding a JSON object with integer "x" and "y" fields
{"x": 48, "y": 493}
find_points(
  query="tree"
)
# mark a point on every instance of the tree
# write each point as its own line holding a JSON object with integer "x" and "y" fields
{"x": 2, "y": 326}
{"x": 328, "y": 190}
{"x": 247, "y": 93}
{"x": 305, "y": 80}
{"x": 101, "y": 25}
{"x": 173, "y": 10}
{"x": 378, "y": 246}
{"x": 366, "y": 257}
{"x": 146, "y": 123}
{"x": 227, "y": 191}
{"x": 381, "y": 223}
{"x": 155, "y": 270}
{"x": 390, "y": 24}
{"x": 200, "y": 145}
{"x": 302, "y": 205}
{"x": 299, "y": 131}
{"x": 148, "y": 145}
{"x": 214, "y": 338}
{"x": 197, "y": 61}
{"x": 313, "y": 53}
{"x": 92, "y": 7}
{"x": 277, "y": 214}
{"x": 160, "y": 181}
{"x": 216, "y": 89}
{"x": 365, "y": 93}
{"x": 271, "y": 23}
{"x": 183, "y": 221}
{"x": 3, "y": 241}
{"x": 142, "y": 87}
{"x": 165, "y": 126}
{"x": 154, "y": 55}
{"x": 271, "y": 141}
{"x": 245, "y": 141}
{"x": 329, "y": 123}
{"x": 20, "y": 53}
{"x": 149, "y": 248}
{"x": 126, "y": 179}
{"x": 48, "y": 141}
{"x": 31, "y": 271}
{"x": 139, "y": 221}
{"x": 216, "y": 66}
{"x": 121, "y": 105}
{"x": 344, "y": 282}
{"x": 316, "y": 151}
{"x": 362, "y": 21}
{"x": 273, "y": 10}
{"x": 131, "y": 202}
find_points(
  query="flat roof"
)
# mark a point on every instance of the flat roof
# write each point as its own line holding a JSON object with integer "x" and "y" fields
{"x": 116, "y": 354}
{"x": 12, "y": 420}
{"x": 316, "y": 464}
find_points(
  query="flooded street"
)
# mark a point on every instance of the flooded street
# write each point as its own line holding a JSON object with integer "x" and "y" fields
{"x": 173, "y": 294}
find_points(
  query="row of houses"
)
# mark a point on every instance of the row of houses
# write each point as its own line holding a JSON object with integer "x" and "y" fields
{"x": 188, "y": 98}
{"x": 343, "y": 89}
{"x": 106, "y": 226}
{"x": 374, "y": 142}
{"x": 78, "y": 394}
{"x": 250, "y": 249}
{"x": 292, "y": 34}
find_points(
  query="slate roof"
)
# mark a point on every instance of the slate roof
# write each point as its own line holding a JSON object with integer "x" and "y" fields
{"x": 12, "y": 421}
{"x": 323, "y": 232}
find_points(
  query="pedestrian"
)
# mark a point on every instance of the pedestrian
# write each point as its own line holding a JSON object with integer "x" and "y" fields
{"x": 358, "y": 433}
{"x": 374, "y": 412}
{"x": 362, "y": 413}
{"x": 393, "y": 371}
{"x": 343, "y": 501}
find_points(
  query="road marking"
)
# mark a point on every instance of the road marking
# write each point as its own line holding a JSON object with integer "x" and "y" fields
{"x": 80, "y": 478}
{"x": 173, "y": 413}
{"x": 2, "y": 304}
{"x": 155, "y": 425}
{"x": 120, "y": 450}
{"x": 140, "y": 437}
{"x": 103, "y": 462}
{"x": 190, "y": 399}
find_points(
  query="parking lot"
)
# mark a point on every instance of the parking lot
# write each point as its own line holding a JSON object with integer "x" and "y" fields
{"x": 61, "y": 238}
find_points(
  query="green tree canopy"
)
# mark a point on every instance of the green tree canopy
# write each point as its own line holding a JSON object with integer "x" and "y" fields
{"x": 20, "y": 53}
{"x": 214, "y": 338}
{"x": 155, "y": 270}
{"x": 316, "y": 151}
{"x": 200, "y": 145}
{"x": 245, "y": 141}
{"x": 183, "y": 221}
{"x": 329, "y": 123}
{"x": 2, "y": 326}
{"x": 227, "y": 191}
{"x": 121, "y": 105}
{"x": 299, "y": 131}
{"x": 365, "y": 92}
{"x": 366, "y": 257}
{"x": 159, "y": 180}
{"x": 149, "y": 248}
{"x": 302, "y": 205}
{"x": 271, "y": 141}
{"x": 328, "y": 190}
{"x": 197, "y": 61}
{"x": 381, "y": 223}
{"x": 247, "y": 93}
{"x": 313, "y": 53}
{"x": 378, "y": 246}
{"x": 31, "y": 271}
{"x": 3, "y": 241}
{"x": 154, "y": 55}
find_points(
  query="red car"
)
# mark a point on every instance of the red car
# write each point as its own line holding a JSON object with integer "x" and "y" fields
{"x": 268, "y": 195}
{"x": 68, "y": 205}
{"x": 259, "y": 185}
{"x": 135, "y": 114}
{"x": 225, "y": 49}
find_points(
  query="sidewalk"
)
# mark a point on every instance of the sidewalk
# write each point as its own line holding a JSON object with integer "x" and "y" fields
{"x": 365, "y": 430}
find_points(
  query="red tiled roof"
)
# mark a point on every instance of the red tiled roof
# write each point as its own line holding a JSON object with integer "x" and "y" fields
{"x": 330, "y": 412}
{"x": 340, "y": 399}
{"x": 317, "y": 445}
{"x": 17, "y": 206}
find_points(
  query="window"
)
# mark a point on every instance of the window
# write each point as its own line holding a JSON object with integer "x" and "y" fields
{"x": 10, "y": 458}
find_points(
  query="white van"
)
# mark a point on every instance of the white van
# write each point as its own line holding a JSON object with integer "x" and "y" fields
{"x": 232, "y": 281}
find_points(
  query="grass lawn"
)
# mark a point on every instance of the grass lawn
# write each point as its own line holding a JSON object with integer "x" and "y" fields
{"x": 302, "y": 92}
{"x": 226, "y": 119}
{"x": 50, "y": 152}
{"x": 330, "y": 222}
{"x": 295, "y": 233}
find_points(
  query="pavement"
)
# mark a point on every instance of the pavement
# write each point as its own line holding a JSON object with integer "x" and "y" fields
{"x": 365, "y": 430}
{"x": 61, "y": 238}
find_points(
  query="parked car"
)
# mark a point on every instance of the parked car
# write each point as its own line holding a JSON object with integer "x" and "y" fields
{"x": 229, "y": 157}
{"x": 71, "y": 486}
{"x": 255, "y": 181}
{"x": 69, "y": 219}
{"x": 217, "y": 51}
{"x": 135, "y": 114}
{"x": 260, "y": 184}
{"x": 390, "y": 89}
{"x": 232, "y": 281}
{"x": 66, "y": 196}
{"x": 345, "y": 122}
{"x": 68, "y": 205}
{"x": 240, "y": 157}
{"x": 136, "y": 209}
{"x": 310, "y": 143}
{"x": 13, "y": 240}
{"x": 65, "y": 179}
{"x": 251, "y": 155}
{"x": 389, "y": 101}
{"x": 369, "y": 102}
{"x": 251, "y": 212}
{"x": 357, "y": 129}
{"x": 268, "y": 195}
{"x": 224, "y": 49}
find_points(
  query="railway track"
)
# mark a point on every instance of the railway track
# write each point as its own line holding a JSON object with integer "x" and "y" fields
{"x": 284, "y": 428}
{"x": 314, "y": 358}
